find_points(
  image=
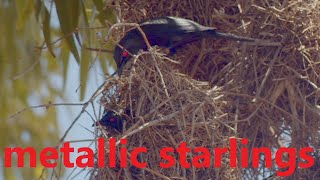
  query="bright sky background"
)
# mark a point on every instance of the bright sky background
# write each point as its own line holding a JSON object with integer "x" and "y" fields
{"x": 66, "y": 114}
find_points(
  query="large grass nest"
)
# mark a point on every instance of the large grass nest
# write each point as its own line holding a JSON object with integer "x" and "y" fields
{"x": 212, "y": 90}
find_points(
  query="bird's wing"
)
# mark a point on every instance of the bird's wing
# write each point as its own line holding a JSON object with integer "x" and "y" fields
{"x": 177, "y": 24}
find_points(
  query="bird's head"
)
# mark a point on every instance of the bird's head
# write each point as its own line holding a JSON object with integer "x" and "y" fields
{"x": 111, "y": 119}
{"x": 129, "y": 45}
{"x": 121, "y": 56}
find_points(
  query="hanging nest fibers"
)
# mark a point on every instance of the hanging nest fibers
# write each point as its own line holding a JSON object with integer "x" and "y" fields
{"x": 213, "y": 90}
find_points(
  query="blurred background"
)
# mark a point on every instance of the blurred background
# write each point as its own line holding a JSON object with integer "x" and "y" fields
{"x": 50, "y": 63}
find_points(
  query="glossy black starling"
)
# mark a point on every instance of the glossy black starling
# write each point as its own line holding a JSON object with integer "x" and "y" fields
{"x": 111, "y": 119}
{"x": 168, "y": 32}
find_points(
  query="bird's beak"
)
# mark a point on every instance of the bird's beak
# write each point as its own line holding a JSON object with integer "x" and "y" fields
{"x": 119, "y": 71}
{"x": 95, "y": 124}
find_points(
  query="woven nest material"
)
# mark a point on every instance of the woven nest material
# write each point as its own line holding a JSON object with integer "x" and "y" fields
{"x": 216, "y": 89}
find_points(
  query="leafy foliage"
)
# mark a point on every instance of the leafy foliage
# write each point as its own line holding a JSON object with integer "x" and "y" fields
{"x": 37, "y": 39}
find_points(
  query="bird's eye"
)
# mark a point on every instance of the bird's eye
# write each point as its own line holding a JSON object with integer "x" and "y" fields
{"x": 125, "y": 54}
{"x": 112, "y": 119}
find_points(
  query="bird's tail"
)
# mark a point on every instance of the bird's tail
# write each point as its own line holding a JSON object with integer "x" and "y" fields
{"x": 230, "y": 36}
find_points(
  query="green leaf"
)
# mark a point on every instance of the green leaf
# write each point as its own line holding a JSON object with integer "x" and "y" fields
{"x": 68, "y": 14}
{"x": 84, "y": 69}
{"x": 47, "y": 31}
{"x": 65, "y": 60}
{"x": 105, "y": 13}
{"x": 24, "y": 17}
{"x": 107, "y": 57}
{"x": 86, "y": 36}
{"x": 99, "y": 4}
{"x": 38, "y": 6}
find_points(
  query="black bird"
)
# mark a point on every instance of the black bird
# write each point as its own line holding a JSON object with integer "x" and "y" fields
{"x": 169, "y": 32}
{"x": 111, "y": 119}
